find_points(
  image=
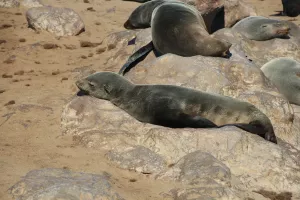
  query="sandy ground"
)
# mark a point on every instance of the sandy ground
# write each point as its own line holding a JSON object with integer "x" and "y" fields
{"x": 39, "y": 82}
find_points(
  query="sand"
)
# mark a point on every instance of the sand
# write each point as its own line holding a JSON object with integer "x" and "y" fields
{"x": 35, "y": 84}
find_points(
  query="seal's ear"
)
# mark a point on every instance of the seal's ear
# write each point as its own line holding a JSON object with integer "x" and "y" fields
{"x": 92, "y": 84}
{"x": 107, "y": 89}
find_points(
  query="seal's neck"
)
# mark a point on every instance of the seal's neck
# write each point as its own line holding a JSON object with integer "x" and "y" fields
{"x": 120, "y": 88}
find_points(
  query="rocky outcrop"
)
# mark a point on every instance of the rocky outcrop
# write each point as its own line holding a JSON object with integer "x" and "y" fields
{"x": 59, "y": 21}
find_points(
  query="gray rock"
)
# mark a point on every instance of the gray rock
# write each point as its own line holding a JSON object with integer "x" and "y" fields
{"x": 222, "y": 13}
{"x": 254, "y": 163}
{"x": 59, "y": 21}
{"x": 137, "y": 158}
{"x": 45, "y": 184}
{"x": 9, "y": 3}
{"x": 32, "y": 3}
{"x": 198, "y": 168}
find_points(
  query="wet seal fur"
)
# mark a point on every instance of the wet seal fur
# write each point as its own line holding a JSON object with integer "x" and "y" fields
{"x": 261, "y": 28}
{"x": 178, "y": 28}
{"x": 284, "y": 73}
{"x": 177, "y": 107}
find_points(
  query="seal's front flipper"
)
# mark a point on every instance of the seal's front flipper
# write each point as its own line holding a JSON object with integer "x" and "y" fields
{"x": 184, "y": 121}
{"x": 136, "y": 57}
{"x": 255, "y": 129}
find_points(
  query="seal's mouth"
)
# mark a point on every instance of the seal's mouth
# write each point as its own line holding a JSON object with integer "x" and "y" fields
{"x": 226, "y": 54}
{"x": 80, "y": 84}
{"x": 127, "y": 25}
{"x": 283, "y": 31}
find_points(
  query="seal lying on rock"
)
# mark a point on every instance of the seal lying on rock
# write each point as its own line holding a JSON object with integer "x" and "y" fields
{"x": 284, "y": 73}
{"x": 175, "y": 106}
{"x": 261, "y": 28}
{"x": 178, "y": 28}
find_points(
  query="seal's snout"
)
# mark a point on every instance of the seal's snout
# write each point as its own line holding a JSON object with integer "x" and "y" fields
{"x": 284, "y": 31}
{"x": 79, "y": 83}
{"x": 128, "y": 25}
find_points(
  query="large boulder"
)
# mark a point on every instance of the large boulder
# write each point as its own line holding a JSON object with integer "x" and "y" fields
{"x": 9, "y": 3}
{"x": 218, "y": 14}
{"x": 59, "y": 21}
{"x": 45, "y": 184}
{"x": 254, "y": 163}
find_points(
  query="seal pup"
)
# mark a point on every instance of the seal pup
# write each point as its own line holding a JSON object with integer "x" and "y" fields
{"x": 284, "y": 73}
{"x": 261, "y": 28}
{"x": 175, "y": 106}
{"x": 178, "y": 28}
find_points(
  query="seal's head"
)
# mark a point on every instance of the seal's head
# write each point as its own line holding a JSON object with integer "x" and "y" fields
{"x": 270, "y": 30}
{"x": 104, "y": 85}
{"x": 217, "y": 47}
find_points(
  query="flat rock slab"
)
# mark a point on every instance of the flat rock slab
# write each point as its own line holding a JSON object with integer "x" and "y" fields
{"x": 45, "y": 184}
{"x": 59, "y": 21}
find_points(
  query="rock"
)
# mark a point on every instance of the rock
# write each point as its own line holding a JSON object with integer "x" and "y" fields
{"x": 254, "y": 163}
{"x": 44, "y": 184}
{"x": 59, "y": 21}
{"x": 9, "y": 3}
{"x": 138, "y": 158}
{"x": 198, "y": 168}
{"x": 218, "y": 14}
{"x": 32, "y": 3}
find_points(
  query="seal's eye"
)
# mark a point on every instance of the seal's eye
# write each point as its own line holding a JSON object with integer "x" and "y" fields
{"x": 92, "y": 85}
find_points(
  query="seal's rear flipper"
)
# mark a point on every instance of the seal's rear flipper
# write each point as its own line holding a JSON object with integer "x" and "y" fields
{"x": 255, "y": 129}
{"x": 136, "y": 57}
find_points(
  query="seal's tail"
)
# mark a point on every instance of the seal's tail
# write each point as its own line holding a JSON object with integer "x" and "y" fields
{"x": 136, "y": 57}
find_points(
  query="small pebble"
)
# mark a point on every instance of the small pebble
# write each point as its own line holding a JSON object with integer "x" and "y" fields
{"x": 2, "y": 91}
{"x": 70, "y": 46}
{"x": 37, "y": 62}
{"x": 15, "y": 80}
{"x": 88, "y": 44}
{"x": 27, "y": 84}
{"x": 90, "y": 9}
{"x": 30, "y": 71}
{"x": 10, "y": 103}
{"x": 22, "y": 40}
{"x": 86, "y": 1}
{"x": 6, "y": 76}
{"x": 97, "y": 23}
{"x": 100, "y": 50}
{"x": 56, "y": 72}
{"x": 18, "y": 13}
{"x": 64, "y": 79}
{"x": 50, "y": 46}
{"x": 10, "y": 60}
{"x": 90, "y": 55}
{"x": 4, "y": 26}
{"x": 2, "y": 41}
{"x": 83, "y": 57}
{"x": 21, "y": 72}
{"x": 132, "y": 180}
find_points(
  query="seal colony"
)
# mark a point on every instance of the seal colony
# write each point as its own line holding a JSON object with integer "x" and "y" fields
{"x": 176, "y": 28}
{"x": 284, "y": 73}
{"x": 175, "y": 106}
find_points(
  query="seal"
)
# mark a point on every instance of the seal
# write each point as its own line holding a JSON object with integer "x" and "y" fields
{"x": 175, "y": 106}
{"x": 284, "y": 73}
{"x": 178, "y": 28}
{"x": 261, "y": 28}
{"x": 291, "y": 8}
{"x": 141, "y": 16}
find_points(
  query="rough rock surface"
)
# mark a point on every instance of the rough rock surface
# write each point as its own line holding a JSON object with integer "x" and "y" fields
{"x": 137, "y": 158}
{"x": 9, "y": 3}
{"x": 254, "y": 163}
{"x": 59, "y": 21}
{"x": 50, "y": 183}
{"x": 222, "y": 13}
{"x": 32, "y": 3}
